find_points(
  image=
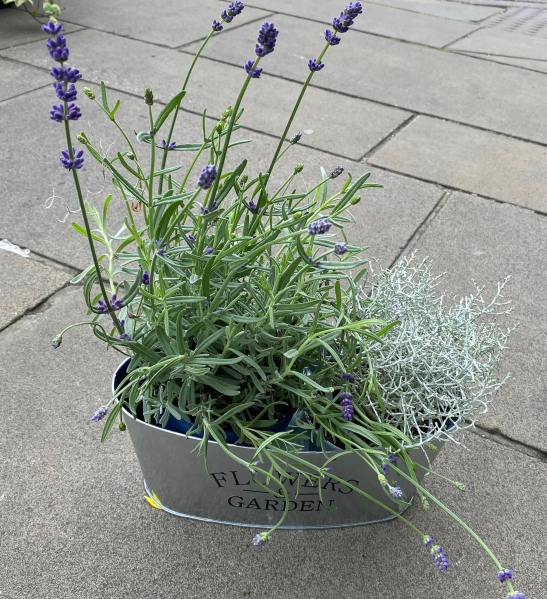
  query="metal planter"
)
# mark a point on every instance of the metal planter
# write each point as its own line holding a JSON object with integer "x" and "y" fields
{"x": 176, "y": 475}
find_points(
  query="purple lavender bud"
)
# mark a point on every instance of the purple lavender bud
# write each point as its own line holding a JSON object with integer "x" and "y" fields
{"x": 330, "y": 36}
{"x": 392, "y": 458}
{"x": 125, "y": 337}
{"x": 314, "y": 66}
{"x": 385, "y": 468}
{"x": 397, "y": 492}
{"x": 336, "y": 172}
{"x": 209, "y": 251}
{"x": 440, "y": 558}
{"x": 219, "y": 312}
{"x": 58, "y": 73}
{"x": 327, "y": 469}
{"x": 352, "y": 10}
{"x": 428, "y": 541}
{"x": 69, "y": 163}
{"x": 339, "y": 26}
{"x": 67, "y": 95}
{"x": 345, "y": 396}
{"x": 71, "y": 75}
{"x": 52, "y": 28}
{"x": 234, "y": 9}
{"x": 348, "y": 377}
{"x": 267, "y": 36}
{"x": 56, "y": 341}
{"x": 206, "y": 302}
{"x": 516, "y": 595}
{"x": 146, "y": 278}
{"x": 122, "y": 323}
{"x": 207, "y": 176}
{"x": 254, "y": 73}
{"x": 216, "y": 26}
{"x": 260, "y": 539}
{"x": 191, "y": 239}
{"x": 57, "y": 113}
{"x": 74, "y": 112}
{"x": 99, "y": 414}
{"x": 115, "y": 303}
{"x": 318, "y": 227}
{"x": 57, "y": 48}
{"x": 252, "y": 206}
{"x": 340, "y": 248}
{"x": 295, "y": 138}
{"x": 170, "y": 146}
{"x": 505, "y": 575}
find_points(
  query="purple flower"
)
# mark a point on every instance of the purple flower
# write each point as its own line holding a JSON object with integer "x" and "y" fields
{"x": 353, "y": 10}
{"x": 206, "y": 302}
{"x": 254, "y": 73}
{"x": 57, "y": 48}
{"x": 346, "y": 403}
{"x": 125, "y": 337}
{"x": 505, "y": 574}
{"x": 392, "y": 458}
{"x": 336, "y": 172}
{"x": 122, "y": 323}
{"x": 440, "y": 558}
{"x": 160, "y": 245}
{"x": 146, "y": 278}
{"x": 428, "y": 541}
{"x": 516, "y": 595}
{"x": 67, "y": 74}
{"x": 260, "y": 539}
{"x": 318, "y": 227}
{"x": 57, "y": 113}
{"x": 348, "y": 377}
{"x": 295, "y": 138}
{"x": 327, "y": 469}
{"x": 69, "y": 163}
{"x": 115, "y": 304}
{"x": 216, "y": 26}
{"x": 99, "y": 414}
{"x": 206, "y": 211}
{"x": 67, "y": 95}
{"x": 340, "y": 248}
{"x": 234, "y": 9}
{"x": 52, "y": 28}
{"x": 314, "y": 66}
{"x": 397, "y": 492}
{"x": 385, "y": 468}
{"x": 267, "y": 36}
{"x": 74, "y": 112}
{"x": 252, "y": 206}
{"x": 209, "y": 251}
{"x": 56, "y": 341}
{"x": 219, "y": 312}
{"x": 331, "y": 37}
{"x": 191, "y": 239}
{"x": 207, "y": 176}
{"x": 170, "y": 146}
{"x": 342, "y": 23}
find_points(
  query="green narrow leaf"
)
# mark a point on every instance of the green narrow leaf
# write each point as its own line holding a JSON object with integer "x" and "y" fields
{"x": 338, "y": 292}
{"x": 81, "y": 230}
{"x": 105, "y": 210}
{"x": 168, "y": 109}
{"x": 110, "y": 420}
{"x": 103, "y": 94}
{"x": 114, "y": 110}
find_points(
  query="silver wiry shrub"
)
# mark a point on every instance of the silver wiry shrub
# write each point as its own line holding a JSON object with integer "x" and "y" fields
{"x": 435, "y": 371}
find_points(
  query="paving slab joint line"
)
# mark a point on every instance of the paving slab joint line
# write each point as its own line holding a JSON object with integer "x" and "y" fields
{"x": 237, "y": 26}
{"x": 461, "y": 38}
{"x": 477, "y": 57}
{"x": 54, "y": 263}
{"x": 35, "y": 89}
{"x": 82, "y": 28}
{"x": 421, "y": 229}
{"x": 496, "y": 436}
{"x": 388, "y": 138}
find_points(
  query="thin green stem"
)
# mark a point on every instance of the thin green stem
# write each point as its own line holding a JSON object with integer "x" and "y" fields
{"x": 151, "y": 176}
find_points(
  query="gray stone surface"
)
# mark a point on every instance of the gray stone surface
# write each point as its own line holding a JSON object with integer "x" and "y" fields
{"x": 75, "y": 525}
{"x": 445, "y": 84}
{"x": 18, "y": 27}
{"x": 215, "y": 86}
{"x": 19, "y": 78}
{"x": 503, "y": 43}
{"x": 173, "y": 23}
{"x": 447, "y": 10}
{"x": 381, "y": 20}
{"x": 478, "y": 239}
{"x": 472, "y": 160}
{"x": 386, "y": 217}
{"x": 26, "y": 283}
{"x": 534, "y": 65}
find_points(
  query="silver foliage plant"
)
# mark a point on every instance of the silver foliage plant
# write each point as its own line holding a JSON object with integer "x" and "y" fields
{"x": 436, "y": 370}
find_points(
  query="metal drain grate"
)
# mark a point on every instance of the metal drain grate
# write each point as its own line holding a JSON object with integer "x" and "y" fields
{"x": 528, "y": 21}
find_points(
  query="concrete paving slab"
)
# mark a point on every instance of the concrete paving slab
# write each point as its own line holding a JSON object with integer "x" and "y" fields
{"x": 380, "y": 20}
{"x": 469, "y": 159}
{"x": 438, "y": 8}
{"x": 26, "y": 284}
{"x": 18, "y": 27}
{"x": 387, "y": 218}
{"x": 534, "y": 65}
{"x": 75, "y": 525}
{"x": 451, "y": 86}
{"x": 481, "y": 240}
{"x": 19, "y": 78}
{"x": 177, "y": 22}
{"x": 503, "y": 43}
{"x": 215, "y": 86}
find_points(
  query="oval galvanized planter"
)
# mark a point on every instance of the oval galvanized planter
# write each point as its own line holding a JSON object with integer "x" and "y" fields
{"x": 175, "y": 475}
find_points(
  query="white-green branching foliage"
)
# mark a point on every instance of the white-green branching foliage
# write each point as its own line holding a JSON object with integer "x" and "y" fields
{"x": 434, "y": 372}
{"x": 237, "y": 301}
{"x": 47, "y": 8}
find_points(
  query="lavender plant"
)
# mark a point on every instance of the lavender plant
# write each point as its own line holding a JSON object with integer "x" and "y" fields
{"x": 236, "y": 301}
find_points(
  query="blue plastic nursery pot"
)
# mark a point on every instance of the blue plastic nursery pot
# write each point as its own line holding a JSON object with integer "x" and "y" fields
{"x": 183, "y": 426}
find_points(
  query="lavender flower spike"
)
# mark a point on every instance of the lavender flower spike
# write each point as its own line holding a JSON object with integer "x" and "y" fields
{"x": 516, "y": 595}
{"x": 170, "y": 146}
{"x": 267, "y": 36}
{"x": 207, "y": 176}
{"x": 67, "y": 95}
{"x": 440, "y": 558}
{"x": 74, "y": 112}
{"x": 216, "y": 26}
{"x": 52, "y": 28}
{"x": 254, "y": 73}
{"x": 57, "y": 113}
{"x": 314, "y": 66}
{"x": 340, "y": 248}
{"x": 146, "y": 278}
{"x": 70, "y": 163}
{"x": 397, "y": 492}
{"x": 260, "y": 539}
{"x": 504, "y": 575}
{"x": 428, "y": 541}
{"x": 318, "y": 227}
{"x": 99, "y": 414}
{"x": 234, "y": 9}
{"x": 331, "y": 37}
